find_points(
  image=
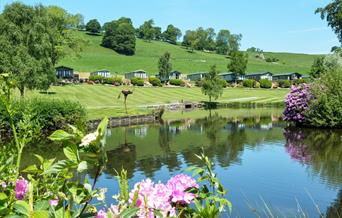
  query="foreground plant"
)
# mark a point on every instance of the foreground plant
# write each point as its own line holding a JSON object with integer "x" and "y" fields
{"x": 180, "y": 196}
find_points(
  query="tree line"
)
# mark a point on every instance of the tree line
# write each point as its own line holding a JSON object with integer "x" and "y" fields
{"x": 122, "y": 38}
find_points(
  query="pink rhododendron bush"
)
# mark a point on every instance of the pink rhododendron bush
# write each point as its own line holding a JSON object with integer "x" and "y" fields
{"x": 181, "y": 195}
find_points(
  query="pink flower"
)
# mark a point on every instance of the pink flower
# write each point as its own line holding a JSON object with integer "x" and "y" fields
{"x": 152, "y": 196}
{"x": 101, "y": 214}
{"x": 178, "y": 185}
{"x": 53, "y": 202}
{"x": 21, "y": 188}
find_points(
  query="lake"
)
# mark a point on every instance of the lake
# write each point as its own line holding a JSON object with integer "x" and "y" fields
{"x": 263, "y": 162}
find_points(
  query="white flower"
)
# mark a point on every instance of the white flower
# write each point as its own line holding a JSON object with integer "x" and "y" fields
{"x": 89, "y": 139}
{"x": 101, "y": 196}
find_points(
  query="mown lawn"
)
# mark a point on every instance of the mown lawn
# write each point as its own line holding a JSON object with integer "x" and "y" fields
{"x": 95, "y": 57}
{"x": 102, "y": 100}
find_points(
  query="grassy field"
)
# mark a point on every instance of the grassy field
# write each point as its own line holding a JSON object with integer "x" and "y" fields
{"x": 94, "y": 57}
{"x": 102, "y": 100}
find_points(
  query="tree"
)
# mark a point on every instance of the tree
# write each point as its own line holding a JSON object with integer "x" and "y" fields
{"x": 238, "y": 62}
{"x": 210, "y": 44}
{"x": 222, "y": 42}
{"x": 146, "y": 31}
{"x": 317, "y": 67}
{"x": 234, "y": 43}
{"x": 32, "y": 41}
{"x": 171, "y": 34}
{"x": 336, "y": 49}
{"x": 164, "y": 65}
{"x": 120, "y": 36}
{"x": 93, "y": 26}
{"x": 332, "y": 14}
{"x": 212, "y": 85}
{"x": 157, "y": 33}
{"x": 189, "y": 39}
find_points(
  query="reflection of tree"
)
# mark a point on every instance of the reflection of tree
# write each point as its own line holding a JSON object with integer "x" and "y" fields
{"x": 212, "y": 125}
{"x": 335, "y": 209}
{"x": 321, "y": 149}
{"x": 164, "y": 137}
{"x": 122, "y": 157}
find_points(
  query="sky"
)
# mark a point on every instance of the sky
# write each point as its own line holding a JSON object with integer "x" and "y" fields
{"x": 271, "y": 25}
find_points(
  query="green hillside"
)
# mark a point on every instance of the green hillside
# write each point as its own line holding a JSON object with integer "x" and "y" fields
{"x": 95, "y": 57}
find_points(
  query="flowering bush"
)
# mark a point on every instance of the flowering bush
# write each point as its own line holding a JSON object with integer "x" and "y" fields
{"x": 173, "y": 199}
{"x": 296, "y": 103}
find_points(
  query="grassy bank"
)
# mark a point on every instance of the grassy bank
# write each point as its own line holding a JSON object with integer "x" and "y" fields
{"x": 102, "y": 100}
{"x": 95, "y": 57}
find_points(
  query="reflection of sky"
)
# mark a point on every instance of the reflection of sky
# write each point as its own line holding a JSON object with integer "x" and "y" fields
{"x": 267, "y": 173}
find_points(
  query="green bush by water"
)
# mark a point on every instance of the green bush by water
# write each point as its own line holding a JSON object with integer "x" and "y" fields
{"x": 48, "y": 115}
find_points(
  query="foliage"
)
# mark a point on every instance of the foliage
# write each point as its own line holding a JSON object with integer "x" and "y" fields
{"x": 32, "y": 40}
{"x": 181, "y": 196}
{"x": 254, "y": 50}
{"x": 324, "y": 64}
{"x": 154, "y": 81}
{"x": 199, "y": 83}
{"x": 147, "y": 31}
{"x": 176, "y": 82}
{"x": 317, "y": 67}
{"x": 332, "y": 14}
{"x": 224, "y": 83}
{"x": 238, "y": 62}
{"x": 248, "y": 83}
{"x": 271, "y": 59}
{"x": 171, "y": 34}
{"x": 212, "y": 84}
{"x": 164, "y": 65}
{"x": 96, "y": 78}
{"x": 136, "y": 81}
{"x": 47, "y": 115}
{"x": 299, "y": 81}
{"x": 325, "y": 110}
{"x": 120, "y": 36}
{"x": 297, "y": 103}
{"x": 284, "y": 83}
{"x": 265, "y": 83}
{"x": 93, "y": 26}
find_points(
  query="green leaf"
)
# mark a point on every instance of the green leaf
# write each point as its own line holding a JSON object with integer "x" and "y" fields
{"x": 30, "y": 169}
{"x": 40, "y": 158}
{"x": 71, "y": 153}
{"x": 129, "y": 212}
{"x": 3, "y": 196}
{"x": 41, "y": 214}
{"x": 60, "y": 135}
{"x": 22, "y": 207}
{"x": 58, "y": 167}
{"x": 82, "y": 166}
{"x": 101, "y": 129}
{"x": 41, "y": 205}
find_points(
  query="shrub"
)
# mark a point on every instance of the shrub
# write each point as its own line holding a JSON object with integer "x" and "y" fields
{"x": 118, "y": 81}
{"x": 298, "y": 81}
{"x": 49, "y": 115}
{"x": 325, "y": 110}
{"x": 136, "y": 81}
{"x": 296, "y": 103}
{"x": 199, "y": 83}
{"x": 284, "y": 83}
{"x": 224, "y": 83}
{"x": 96, "y": 78}
{"x": 248, "y": 83}
{"x": 154, "y": 81}
{"x": 265, "y": 83}
{"x": 256, "y": 84}
{"x": 272, "y": 59}
{"x": 177, "y": 82}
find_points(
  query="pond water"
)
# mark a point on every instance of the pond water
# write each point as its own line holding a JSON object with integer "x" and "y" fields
{"x": 259, "y": 159}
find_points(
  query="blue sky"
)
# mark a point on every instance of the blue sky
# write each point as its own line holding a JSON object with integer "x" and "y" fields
{"x": 272, "y": 25}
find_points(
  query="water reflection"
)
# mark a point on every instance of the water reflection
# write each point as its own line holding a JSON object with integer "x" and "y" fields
{"x": 319, "y": 149}
{"x": 221, "y": 138}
